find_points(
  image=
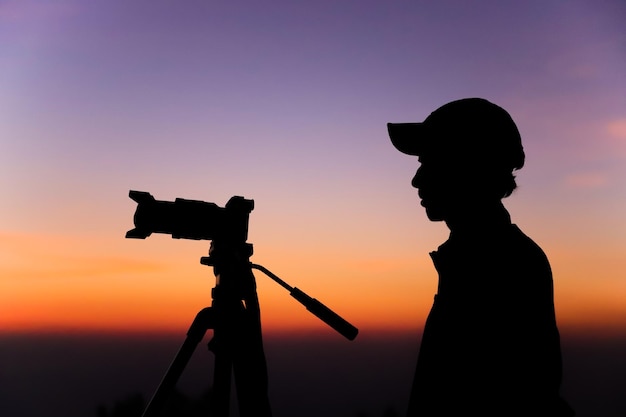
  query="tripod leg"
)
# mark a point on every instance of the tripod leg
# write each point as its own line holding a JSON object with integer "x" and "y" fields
{"x": 196, "y": 332}
{"x": 222, "y": 372}
{"x": 250, "y": 367}
{"x": 238, "y": 348}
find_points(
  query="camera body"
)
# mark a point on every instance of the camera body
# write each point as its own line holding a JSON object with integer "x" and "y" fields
{"x": 191, "y": 219}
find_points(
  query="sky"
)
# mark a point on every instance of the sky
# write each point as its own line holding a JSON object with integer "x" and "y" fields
{"x": 286, "y": 103}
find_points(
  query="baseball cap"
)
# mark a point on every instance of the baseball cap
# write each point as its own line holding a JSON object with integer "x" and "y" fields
{"x": 470, "y": 128}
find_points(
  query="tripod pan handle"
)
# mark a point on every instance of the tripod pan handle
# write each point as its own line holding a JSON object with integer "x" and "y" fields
{"x": 325, "y": 314}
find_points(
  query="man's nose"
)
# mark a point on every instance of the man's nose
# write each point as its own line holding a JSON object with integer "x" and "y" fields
{"x": 416, "y": 181}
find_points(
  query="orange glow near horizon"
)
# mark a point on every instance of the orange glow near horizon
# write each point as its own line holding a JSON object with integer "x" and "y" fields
{"x": 44, "y": 291}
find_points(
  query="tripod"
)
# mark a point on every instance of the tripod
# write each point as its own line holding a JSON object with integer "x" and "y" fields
{"x": 237, "y": 343}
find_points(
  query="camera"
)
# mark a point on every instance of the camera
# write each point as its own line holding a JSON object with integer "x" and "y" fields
{"x": 190, "y": 219}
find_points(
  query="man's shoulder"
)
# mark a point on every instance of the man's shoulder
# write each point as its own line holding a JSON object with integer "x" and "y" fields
{"x": 521, "y": 238}
{"x": 525, "y": 246}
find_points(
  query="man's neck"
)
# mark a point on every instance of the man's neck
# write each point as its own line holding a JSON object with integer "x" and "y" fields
{"x": 479, "y": 218}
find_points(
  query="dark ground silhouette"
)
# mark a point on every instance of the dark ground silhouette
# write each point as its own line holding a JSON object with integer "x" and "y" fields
{"x": 178, "y": 404}
{"x": 181, "y": 405}
{"x": 69, "y": 375}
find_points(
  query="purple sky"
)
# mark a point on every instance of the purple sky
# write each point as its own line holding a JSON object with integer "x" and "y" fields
{"x": 291, "y": 99}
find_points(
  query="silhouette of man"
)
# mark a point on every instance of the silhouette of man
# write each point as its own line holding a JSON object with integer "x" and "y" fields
{"x": 490, "y": 346}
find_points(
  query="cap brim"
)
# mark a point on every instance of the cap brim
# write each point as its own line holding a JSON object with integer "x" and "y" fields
{"x": 408, "y": 138}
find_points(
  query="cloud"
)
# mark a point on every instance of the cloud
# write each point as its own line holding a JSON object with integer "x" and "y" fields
{"x": 617, "y": 129}
{"x": 587, "y": 180}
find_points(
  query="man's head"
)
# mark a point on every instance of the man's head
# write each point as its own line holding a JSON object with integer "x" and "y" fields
{"x": 468, "y": 151}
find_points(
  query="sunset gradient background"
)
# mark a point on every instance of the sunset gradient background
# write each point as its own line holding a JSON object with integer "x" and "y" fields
{"x": 286, "y": 103}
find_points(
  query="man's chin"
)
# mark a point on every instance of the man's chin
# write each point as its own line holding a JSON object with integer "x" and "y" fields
{"x": 434, "y": 215}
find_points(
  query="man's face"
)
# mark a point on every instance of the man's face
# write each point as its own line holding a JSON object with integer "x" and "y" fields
{"x": 442, "y": 186}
